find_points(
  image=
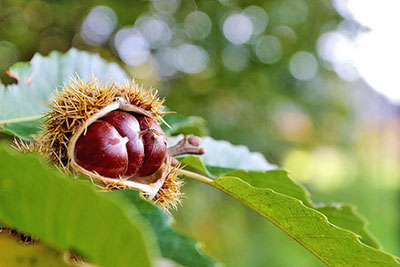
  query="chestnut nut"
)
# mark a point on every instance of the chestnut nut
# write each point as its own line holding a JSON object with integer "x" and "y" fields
{"x": 110, "y": 133}
{"x": 122, "y": 144}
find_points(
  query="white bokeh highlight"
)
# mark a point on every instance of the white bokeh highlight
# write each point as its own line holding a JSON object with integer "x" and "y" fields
{"x": 190, "y": 58}
{"x": 156, "y": 31}
{"x": 132, "y": 47}
{"x": 237, "y": 28}
{"x": 303, "y": 66}
{"x": 258, "y": 17}
{"x": 98, "y": 26}
{"x": 197, "y": 25}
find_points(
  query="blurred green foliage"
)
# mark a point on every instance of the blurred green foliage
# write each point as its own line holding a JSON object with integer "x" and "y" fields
{"x": 316, "y": 128}
{"x": 253, "y": 101}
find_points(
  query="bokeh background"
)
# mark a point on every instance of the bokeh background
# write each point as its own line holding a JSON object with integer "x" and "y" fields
{"x": 312, "y": 84}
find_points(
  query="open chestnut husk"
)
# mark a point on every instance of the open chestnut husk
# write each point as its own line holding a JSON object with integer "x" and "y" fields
{"x": 112, "y": 134}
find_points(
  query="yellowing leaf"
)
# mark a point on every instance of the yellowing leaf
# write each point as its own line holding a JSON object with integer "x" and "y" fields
{"x": 13, "y": 253}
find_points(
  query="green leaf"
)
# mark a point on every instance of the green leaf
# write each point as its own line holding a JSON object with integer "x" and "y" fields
{"x": 70, "y": 214}
{"x": 347, "y": 217}
{"x": 277, "y": 180}
{"x": 278, "y": 185}
{"x": 344, "y": 216}
{"x": 13, "y": 253}
{"x": 184, "y": 125}
{"x": 25, "y": 101}
{"x": 332, "y": 245}
{"x": 197, "y": 164}
{"x": 25, "y": 129}
{"x": 173, "y": 245}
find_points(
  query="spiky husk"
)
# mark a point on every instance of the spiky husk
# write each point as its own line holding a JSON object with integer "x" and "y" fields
{"x": 169, "y": 196}
{"x": 25, "y": 239}
{"x": 78, "y": 101}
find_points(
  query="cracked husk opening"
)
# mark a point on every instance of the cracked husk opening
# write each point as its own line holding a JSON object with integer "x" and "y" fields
{"x": 76, "y": 107}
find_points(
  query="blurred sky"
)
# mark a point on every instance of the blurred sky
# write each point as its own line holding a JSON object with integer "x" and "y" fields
{"x": 374, "y": 51}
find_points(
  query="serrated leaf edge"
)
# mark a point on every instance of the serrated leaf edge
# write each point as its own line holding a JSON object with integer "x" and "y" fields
{"x": 352, "y": 235}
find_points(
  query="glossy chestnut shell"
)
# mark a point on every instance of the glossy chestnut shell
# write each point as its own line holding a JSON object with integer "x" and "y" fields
{"x": 122, "y": 144}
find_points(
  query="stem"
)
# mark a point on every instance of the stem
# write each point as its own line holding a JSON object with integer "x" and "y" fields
{"x": 195, "y": 176}
{"x": 188, "y": 145}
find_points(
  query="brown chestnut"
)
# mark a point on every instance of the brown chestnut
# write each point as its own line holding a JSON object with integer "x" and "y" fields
{"x": 103, "y": 150}
{"x": 122, "y": 145}
{"x": 128, "y": 126}
{"x": 155, "y": 145}
{"x": 110, "y": 131}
